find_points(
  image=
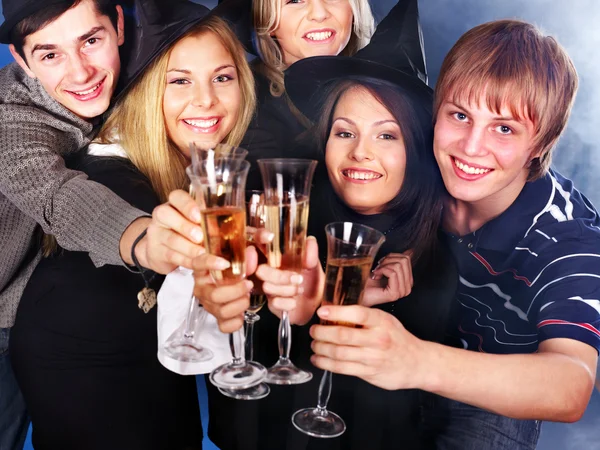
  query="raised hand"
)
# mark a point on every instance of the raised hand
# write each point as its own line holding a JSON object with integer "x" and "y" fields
{"x": 391, "y": 279}
{"x": 174, "y": 236}
{"x": 289, "y": 291}
{"x": 226, "y": 302}
{"x": 381, "y": 352}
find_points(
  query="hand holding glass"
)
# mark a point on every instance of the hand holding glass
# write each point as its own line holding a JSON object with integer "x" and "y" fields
{"x": 351, "y": 249}
{"x": 220, "y": 185}
{"x": 183, "y": 345}
{"x": 287, "y": 189}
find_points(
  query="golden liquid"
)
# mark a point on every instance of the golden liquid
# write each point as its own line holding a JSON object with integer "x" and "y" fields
{"x": 225, "y": 236}
{"x": 288, "y": 224}
{"x": 345, "y": 281}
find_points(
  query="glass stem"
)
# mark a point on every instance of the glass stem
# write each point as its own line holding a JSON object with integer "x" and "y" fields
{"x": 191, "y": 319}
{"x": 284, "y": 340}
{"x": 324, "y": 392}
{"x": 249, "y": 337}
{"x": 236, "y": 344}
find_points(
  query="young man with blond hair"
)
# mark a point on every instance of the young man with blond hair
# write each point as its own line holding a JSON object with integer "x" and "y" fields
{"x": 524, "y": 334}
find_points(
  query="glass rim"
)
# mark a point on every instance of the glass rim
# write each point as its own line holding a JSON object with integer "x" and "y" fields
{"x": 377, "y": 233}
{"x": 286, "y": 160}
{"x": 244, "y": 165}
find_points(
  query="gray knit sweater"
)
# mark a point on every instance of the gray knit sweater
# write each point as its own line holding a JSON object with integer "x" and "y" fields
{"x": 36, "y": 188}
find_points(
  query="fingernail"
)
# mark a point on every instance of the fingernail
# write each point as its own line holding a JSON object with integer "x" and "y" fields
{"x": 270, "y": 236}
{"x": 300, "y": 290}
{"x": 249, "y": 284}
{"x": 195, "y": 215}
{"x": 221, "y": 264}
{"x": 323, "y": 311}
{"x": 296, "y": 279}
{"x": 197, "y": 235}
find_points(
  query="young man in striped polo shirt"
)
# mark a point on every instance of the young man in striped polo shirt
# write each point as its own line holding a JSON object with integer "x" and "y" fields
{"x": 527, "y": 245}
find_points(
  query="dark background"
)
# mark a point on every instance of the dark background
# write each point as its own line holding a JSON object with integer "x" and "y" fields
{"x": 574, "y": 23}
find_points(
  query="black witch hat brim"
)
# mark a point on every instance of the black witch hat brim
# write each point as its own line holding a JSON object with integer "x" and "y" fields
{"x": 308, "y": 81}
{"x": 155, "y": 34}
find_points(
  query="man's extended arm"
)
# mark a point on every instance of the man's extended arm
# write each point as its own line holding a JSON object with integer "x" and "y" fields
{"x": 81, "y": 214}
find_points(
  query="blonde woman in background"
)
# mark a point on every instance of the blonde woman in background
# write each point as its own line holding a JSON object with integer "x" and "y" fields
{"x": 84, "y": 353}
{"x": 286, "y": 31}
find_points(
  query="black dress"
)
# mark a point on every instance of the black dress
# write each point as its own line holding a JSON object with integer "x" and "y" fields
{"x": 376, "y": 419}
{"x": 85, "y": 356}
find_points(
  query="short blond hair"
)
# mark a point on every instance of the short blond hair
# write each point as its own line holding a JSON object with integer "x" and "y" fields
{"x": 516, "y": 65}
{"x": 137, "y": 122}
{"x": 266, "y": 15}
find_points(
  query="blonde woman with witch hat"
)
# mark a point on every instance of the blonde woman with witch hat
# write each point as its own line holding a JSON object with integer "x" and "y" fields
{"x": 84, "y": 353}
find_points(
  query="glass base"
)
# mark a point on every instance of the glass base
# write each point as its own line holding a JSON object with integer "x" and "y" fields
{"x": 285, "y": 372}
{"x": 185, "y": 350}
{"x": 238, "y": 376}
{"x": 319, "y": 423}
{"x": 254, "y": 393}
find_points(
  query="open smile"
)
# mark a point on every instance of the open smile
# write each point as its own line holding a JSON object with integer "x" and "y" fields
{"x": 88, "y": 94}
{"x": 469, "y": 171}
{"x": 205, "y": 125}
{"x": 361, "y": 176}
{"x": 320, "y": 36}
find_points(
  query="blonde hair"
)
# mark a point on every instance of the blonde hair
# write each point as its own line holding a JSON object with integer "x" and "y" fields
{"x": 137, "y": 122}
{"x": 266, "y": 16}
{"x": 516, "y": 65}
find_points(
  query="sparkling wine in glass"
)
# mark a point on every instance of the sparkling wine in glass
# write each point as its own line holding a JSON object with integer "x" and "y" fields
{"x": 183, "y": 345}
{"x": 351, "y": 249}
{"x": 287, "y": 185}
{"x": 220, "y": 185}
{"x": 255, "y": 214}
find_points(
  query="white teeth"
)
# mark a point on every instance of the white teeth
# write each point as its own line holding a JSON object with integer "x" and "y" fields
{"x": 201, "y": 123}
{"x": 356, "y": 175}
{"x": 320, "y": 36}
{"x": 468, "y": 169}
{"x": 89, "y": 91}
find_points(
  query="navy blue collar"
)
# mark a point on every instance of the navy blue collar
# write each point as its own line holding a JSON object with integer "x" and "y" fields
{"x": 505, "y": 231}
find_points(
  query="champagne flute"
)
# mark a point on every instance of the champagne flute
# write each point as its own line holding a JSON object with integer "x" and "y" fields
{"x": 287, "y": 185}
{"x": 351, "y": 249}
{"x": 183, "y": 345}
{"x": 219, "y": 185}
{"x": 255, "y": 207}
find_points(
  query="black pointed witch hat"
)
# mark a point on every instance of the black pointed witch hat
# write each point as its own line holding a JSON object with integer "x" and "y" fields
{"x": 394, "y": 55}
{"x": 159, "y": 23}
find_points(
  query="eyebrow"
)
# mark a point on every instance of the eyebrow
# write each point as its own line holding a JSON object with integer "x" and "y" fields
{"x": 83, "y": 37}
{"x": 188, "y": 72}
{"x": 376, "y": 124}
{"x": 499, "y": 118}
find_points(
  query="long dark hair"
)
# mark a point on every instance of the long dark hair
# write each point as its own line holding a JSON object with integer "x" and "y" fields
{"x": 417, "y": 208}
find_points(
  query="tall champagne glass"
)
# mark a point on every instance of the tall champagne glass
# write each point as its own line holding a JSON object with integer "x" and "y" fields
{"x": 351, "y": 249}
{"x": 183, "y": 344}
{"x": 287, "y": 185}
{"x": 220, "y": 185}
{"x": 255, "y": 219}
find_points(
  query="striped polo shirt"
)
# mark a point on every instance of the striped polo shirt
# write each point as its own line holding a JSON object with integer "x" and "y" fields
{"x": 531, "y": 274}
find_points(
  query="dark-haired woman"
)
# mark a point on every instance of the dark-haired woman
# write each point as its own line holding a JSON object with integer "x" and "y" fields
{"x": 374, "y": 131}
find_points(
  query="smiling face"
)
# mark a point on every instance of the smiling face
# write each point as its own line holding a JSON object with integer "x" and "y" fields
{"x": 202, "y": 95}
{"x": 483, "y": 155}
{"x": 313, "y": 28}
{"x": 76, "y": 59}
{"x": 365, "y": 153}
